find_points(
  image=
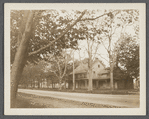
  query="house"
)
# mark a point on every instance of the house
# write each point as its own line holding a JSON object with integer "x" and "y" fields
{"x": 100, "y": 77}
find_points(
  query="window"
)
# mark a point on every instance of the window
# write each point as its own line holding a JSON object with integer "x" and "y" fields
{"x": 98, "y": 66}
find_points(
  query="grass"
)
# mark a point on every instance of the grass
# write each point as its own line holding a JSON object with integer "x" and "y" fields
{"x": 24, "y": 103}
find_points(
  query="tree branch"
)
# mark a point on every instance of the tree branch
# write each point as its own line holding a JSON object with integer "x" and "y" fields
{"x": 69, "y": 27}
{"x": 87, "y": 19}
{"x": 104, "y": 45}
{"x": 96, "y": 50}
{"x": 81, "y": 61}
{"x": 54, "y": 73}
{"x": 64, "y": 69}
{"x": 102, "y": 57}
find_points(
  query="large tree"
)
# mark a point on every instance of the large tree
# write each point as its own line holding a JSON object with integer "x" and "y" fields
{"x": 128, "y": 56}
{"x": 21, "y": 55}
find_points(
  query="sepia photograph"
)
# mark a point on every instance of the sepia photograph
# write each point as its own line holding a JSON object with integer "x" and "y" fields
{"x": 81, "y": 59}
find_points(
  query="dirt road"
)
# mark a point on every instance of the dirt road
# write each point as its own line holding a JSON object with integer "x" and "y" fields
{"x": 128, "y": 101}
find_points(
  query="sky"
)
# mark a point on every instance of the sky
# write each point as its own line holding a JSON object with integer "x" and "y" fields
{"x": 83, "y": 52}
{"x": 101, "y": 50}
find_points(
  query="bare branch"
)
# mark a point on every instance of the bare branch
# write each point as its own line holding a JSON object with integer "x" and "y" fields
{"x": 87, "y": 19}
{"x": 54, "y": 73}
{"x": 81, "y": 61}
{"x": 66, "y": 62}
{"x": 102, "y": 57}
{"x": 114, "y": 31}
{"x": 88, "y": 50}
{"x": 65, "y": 68}
{"x": 104, "y": 46}
{"x": 96, "y": 50}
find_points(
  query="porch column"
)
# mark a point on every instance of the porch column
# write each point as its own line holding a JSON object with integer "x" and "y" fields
{"x": 47, "y": 83}
{"x": 52, "y": 84}
{"x": 78, "y": 84}
{"x": 85, "y": 83}
{"x": 115, "y": 85}
{"x": 75, "y": 84}
{"x": 65, "y": 84}
{"x": 97, "y": 84}
{"x": 68, "y": 84}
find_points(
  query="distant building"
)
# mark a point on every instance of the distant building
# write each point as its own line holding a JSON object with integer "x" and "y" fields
{"x": 100, "y": 77}
{"x": 136, "y": 83}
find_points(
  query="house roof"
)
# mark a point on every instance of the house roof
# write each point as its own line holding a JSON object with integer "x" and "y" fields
{"x": 97, "y": 60}
{"x": 82, "y": 68}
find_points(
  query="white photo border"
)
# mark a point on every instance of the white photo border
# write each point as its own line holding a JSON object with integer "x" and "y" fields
{"x": 74, "y": 111}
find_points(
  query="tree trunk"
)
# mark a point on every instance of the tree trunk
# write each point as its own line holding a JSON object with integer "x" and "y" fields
{"x": 20, "y": 59}
{"x": 33, "y": 83}
{"x": 52, "y": 84}
{"x": 38, "y": 84}
{"x": 41, "y": 83}
{"x": 85, "y": 83}
{"x": 111, "y": 74}
{"x": 90, "y": 86}
{"x": 73, "y": 88}
{"x": 68, "y": 84}
{"x": 97, "y": 84}
{"x": 60, "y": 84}
{"x": 65, "y": 84}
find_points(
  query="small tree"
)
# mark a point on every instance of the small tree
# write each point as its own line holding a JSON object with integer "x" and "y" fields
{"x": 59, "y": 65}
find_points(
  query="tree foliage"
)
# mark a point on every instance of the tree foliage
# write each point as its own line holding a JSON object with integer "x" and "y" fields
{"x": 32, "y": 73}
{"x": 128, "y": 56}
{"x": 47, "y": 26}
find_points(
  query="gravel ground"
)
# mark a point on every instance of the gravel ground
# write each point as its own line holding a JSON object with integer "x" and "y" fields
{"x": 34, "y": 101}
